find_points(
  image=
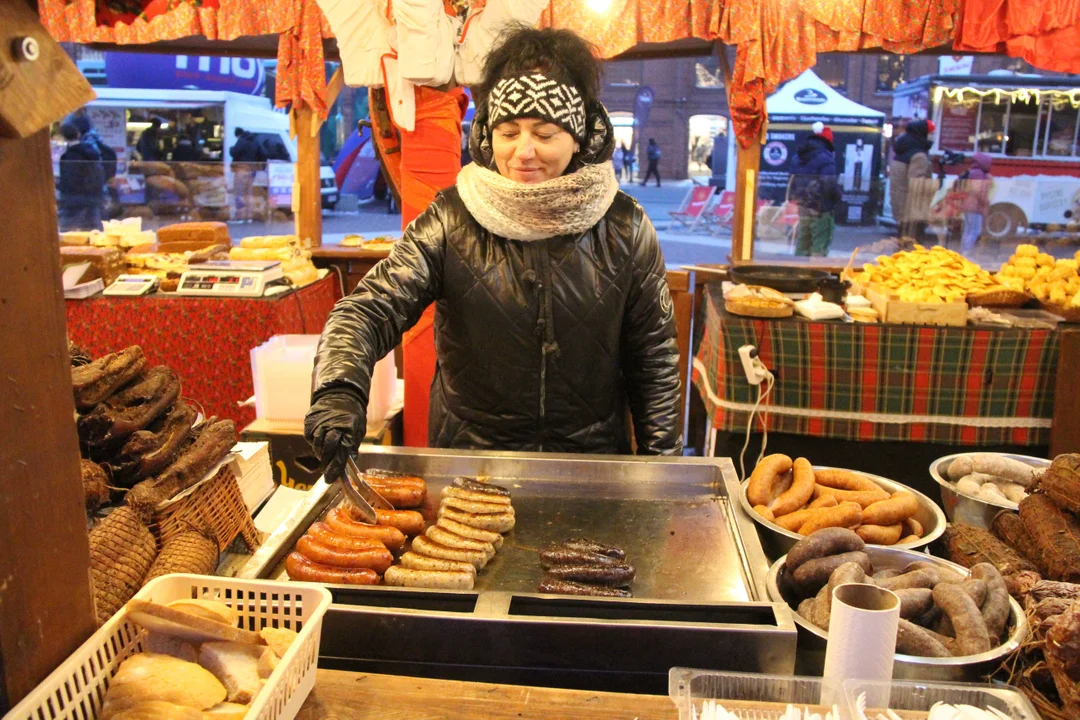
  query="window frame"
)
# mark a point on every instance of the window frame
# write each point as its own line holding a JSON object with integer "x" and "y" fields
{"x": 1038, "y": 153}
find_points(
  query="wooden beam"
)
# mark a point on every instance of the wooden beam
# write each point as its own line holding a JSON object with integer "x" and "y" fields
{"x": 46, "y": 610}
{"x": 308, "y": 206}
{"x": 1065, "y": 432}
{"x": 334, "y": 87}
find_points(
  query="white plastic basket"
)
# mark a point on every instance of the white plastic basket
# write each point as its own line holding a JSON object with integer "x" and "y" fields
{"x": 751, "y": 696}
{"x": 76, "y": 689}
{"x": 913, "y": 698}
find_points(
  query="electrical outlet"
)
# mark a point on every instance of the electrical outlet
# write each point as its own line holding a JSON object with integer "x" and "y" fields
{"x": 753, "y": 368}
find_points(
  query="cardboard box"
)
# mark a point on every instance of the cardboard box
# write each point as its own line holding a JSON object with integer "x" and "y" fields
{"x": 891, "y": 309}
{"x": 291, "y": 457}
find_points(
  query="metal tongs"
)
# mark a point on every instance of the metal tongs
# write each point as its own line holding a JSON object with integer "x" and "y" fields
{"x": 361, "y": 495}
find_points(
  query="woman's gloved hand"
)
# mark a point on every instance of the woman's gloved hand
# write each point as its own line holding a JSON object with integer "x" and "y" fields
{"x": 335, "y": 426}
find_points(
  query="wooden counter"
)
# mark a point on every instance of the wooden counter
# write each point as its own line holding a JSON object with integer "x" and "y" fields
{"x": 357, "y": 696}
{"x": 353, "y": 262}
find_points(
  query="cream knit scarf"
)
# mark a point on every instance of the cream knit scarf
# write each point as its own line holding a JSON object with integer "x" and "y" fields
{"x": 567, "y": 205}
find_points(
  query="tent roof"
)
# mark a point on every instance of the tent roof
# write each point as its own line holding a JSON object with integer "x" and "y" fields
{"x": 792, "y": 99}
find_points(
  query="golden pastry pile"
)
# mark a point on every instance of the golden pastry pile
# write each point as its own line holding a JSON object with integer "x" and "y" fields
{"x": 937, "y": 275}
{"x": 1053, "y": 281}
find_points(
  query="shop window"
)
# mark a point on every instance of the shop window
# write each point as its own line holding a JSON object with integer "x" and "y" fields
{"x": 1060, "y": 128}
{"x": 705, "y": 130}
{"x": 992, "y": 125}
{"x": 1022, "y": 128}
{"x": 891, "y": 71}
{"x": 959, "y": 120}
{"x": 833, "y": 70}
{"x": 708, "y": 75}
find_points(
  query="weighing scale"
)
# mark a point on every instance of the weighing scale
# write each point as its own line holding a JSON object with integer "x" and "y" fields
{"x": 230, "y": 278}
{"x": 133, "y": 285}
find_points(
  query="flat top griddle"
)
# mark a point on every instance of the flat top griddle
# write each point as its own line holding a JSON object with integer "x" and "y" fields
{"x": 671, "y": 516}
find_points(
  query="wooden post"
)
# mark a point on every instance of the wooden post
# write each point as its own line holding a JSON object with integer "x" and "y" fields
{"x": 308, "y": 206}
{"x": 747, "y": 168}
{"x": 46, "y": 608}
{"x": 1065, "y": 432}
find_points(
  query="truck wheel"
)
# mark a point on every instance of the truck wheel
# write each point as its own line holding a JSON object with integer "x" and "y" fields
{"x": 1004, "y": 220}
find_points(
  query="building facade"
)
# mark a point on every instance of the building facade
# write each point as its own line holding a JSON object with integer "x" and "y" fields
{"x": 689, "y": 91}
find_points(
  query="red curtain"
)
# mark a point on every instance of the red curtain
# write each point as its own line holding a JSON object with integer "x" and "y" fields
{"x": 1046, "y": 33}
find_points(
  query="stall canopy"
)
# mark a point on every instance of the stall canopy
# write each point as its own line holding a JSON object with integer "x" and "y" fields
{"x": 793, "y": 109}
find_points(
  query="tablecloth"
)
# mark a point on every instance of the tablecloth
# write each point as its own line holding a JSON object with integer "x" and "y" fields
{"x": 955, "y": 385}
{"x": 206, "y": 341}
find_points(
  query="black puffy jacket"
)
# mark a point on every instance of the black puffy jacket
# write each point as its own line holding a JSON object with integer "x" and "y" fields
{"x": 498, "y": 384}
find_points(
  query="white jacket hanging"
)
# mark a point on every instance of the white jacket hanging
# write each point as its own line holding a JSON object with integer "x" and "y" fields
{"x": 417, "y": 43}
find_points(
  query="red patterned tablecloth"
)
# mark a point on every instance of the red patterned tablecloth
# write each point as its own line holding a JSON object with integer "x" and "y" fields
{"x": 954, "y": 385}
{"x": 206, "y": 341}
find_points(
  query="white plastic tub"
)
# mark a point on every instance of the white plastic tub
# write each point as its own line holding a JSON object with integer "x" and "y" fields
{"x": 281, "y": 370}
{"x": 752, "y": 696}
{"x": 76, "y": 689}
{"x": 909, "y": 696}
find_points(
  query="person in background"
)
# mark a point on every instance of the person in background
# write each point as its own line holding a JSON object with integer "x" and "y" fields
{"x": 628, "y": 160}
{"x": 653, "y": 154}
{"x": 186, "y": 150}
{"x": 814, "y": 189}
{"x": 89, "y": 135}
{"x": 975, "y": 184}
{"x": 617, "y": 162}
{"x": 911, "y": 183}
{"x": 81, "y": 184}
{"x": 148, "y": 146}
{"x": 246, "y": 148}
{"x": 245, "y": 153}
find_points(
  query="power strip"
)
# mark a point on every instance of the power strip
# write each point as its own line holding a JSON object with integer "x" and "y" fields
{"x": 753, "y": 368}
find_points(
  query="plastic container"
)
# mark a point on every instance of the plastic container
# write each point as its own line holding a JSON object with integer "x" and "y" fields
{"x": 752, "y": 696}
{"x": 76, "y": 689}
{"x": 281, "y": 370}
{"x": 918, "y": 697}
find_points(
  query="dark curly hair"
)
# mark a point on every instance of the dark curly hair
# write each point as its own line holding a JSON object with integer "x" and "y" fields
{"x": 560, "y": 54}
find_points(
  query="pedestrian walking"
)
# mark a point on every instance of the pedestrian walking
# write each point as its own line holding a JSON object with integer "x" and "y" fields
{"x": 975, "y": 184}
{"x": 911, "y": 182}
{"x": 82, "y": 182}
{"x": 652, "y": 153}
{"x": 814, "y": 189}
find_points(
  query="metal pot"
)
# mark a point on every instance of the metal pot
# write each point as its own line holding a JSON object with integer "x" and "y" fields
{"x": 971, "y": 668}
{"x": 776, "y": 541}
{"x": 964, "y": 508}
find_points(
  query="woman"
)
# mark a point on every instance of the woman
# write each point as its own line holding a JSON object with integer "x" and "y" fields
{"x": 975, "y": 186}
{"x": 911, "y": 184}
{"x": 553, "y": 314}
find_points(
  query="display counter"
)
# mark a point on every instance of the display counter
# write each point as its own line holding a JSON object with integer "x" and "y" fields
{"x": 207, "y": 341}
{"x": 359, "y": 696}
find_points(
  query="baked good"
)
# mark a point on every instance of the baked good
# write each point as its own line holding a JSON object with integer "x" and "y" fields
{"x": 76, "y": 237}
{"x": 209, "y": 609}
{"x": 207, "y": 233}
{"x": 187, "y": 627}
{"x": 863, "y": 314}
{"x": 148, "y": 677}
{"x": 160, "y": 644}
{"x": 156, "y": 710}
{"x": 268, "y": 662}
{"x": 281, "y": 254}
{"x": 226, "y": 711}
{"x": 236, "y": 665}
{"x": 279, "y": 639}
{"x": 106, "y": 263}
{"x": 270, "y": 241}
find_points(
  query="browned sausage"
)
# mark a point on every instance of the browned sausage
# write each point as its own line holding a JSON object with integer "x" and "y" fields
{"x": 300, "y": 568}
{"x": 409, "y": 522}
{"x": 340, "y": 522}
{"x": 323, "y": 533}
{"x": 378, "y": 559}
{"x": 403, "y": 494}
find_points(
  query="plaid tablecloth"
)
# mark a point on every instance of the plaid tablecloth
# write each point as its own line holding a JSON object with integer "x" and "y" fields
{"x": 881, "y": 382}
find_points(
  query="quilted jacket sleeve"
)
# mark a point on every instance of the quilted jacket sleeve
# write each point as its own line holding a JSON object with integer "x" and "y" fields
{"x": 650, "y": 353}
{"x": 369, "y": 323}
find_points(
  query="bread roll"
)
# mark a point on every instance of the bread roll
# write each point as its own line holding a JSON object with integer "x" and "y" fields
{"x": 148, "y": 677}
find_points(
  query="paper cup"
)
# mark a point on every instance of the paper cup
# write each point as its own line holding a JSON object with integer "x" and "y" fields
{"x": 862, "y": 633}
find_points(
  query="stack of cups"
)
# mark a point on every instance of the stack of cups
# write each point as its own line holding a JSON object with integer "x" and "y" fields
{"x": 862, "y": 634}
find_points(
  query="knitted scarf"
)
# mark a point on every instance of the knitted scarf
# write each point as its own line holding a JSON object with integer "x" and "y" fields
{"x": 566, "y": 205}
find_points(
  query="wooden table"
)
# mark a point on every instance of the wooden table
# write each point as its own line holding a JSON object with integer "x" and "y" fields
{"x": 356, "y": 696}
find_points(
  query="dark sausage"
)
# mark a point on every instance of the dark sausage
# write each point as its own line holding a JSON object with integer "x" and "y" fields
{"x": 555, "y": 586}
{"x": 551, "y": 556}
{"x": 614, "y": 575}
{"x": 300, "y": 568}
{"x": 594, "y": 546}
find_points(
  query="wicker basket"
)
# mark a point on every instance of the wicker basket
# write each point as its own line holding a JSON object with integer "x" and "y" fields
{"x": 999, "y": 299}
{"x": 217, "y": 504}
{"x": 1070, "y": 314}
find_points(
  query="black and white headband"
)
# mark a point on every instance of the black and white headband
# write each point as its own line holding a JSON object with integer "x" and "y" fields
{"x": 537, "y": 96}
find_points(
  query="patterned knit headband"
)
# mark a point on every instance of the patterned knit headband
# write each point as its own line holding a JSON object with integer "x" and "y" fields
{"x": 537, "y": 96}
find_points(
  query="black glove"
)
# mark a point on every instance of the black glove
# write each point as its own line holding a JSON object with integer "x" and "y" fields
{"x": 335, "y": 425}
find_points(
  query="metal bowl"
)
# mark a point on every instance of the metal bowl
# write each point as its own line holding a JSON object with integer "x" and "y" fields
{"x": 964, "y": 508}
{"x": 970, "y": 668}
{"x": 776, "y": 541}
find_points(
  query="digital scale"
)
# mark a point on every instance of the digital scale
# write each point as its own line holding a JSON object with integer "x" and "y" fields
{"x": 230, "y": 278}
{"x": 133, "y": 285}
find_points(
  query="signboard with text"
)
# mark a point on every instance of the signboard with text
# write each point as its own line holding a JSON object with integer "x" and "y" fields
{"x": 185, "y": 72}
{"x": 280, "y": 183}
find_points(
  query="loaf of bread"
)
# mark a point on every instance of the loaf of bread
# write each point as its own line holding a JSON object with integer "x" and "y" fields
{"x": 269, "y": 241}
{"x": 207, "y": 233}
{"x": 106, "y": 263}
{"x": 147, "y": 677}
{"x": 236, "y": 666}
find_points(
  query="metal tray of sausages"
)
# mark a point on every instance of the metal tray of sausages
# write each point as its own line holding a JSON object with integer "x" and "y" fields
{"x": 699, "y": 595}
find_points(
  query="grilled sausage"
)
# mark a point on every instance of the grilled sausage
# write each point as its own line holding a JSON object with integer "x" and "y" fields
{"x": 589, "y": 545}
{"x": 559, "y": 555}
{"x": 475, "y": 496}
{"x": 423, "y": 562}
{"x": 613, "y": 575}
{"x": 449, "y": 539}
{"x": 554, "y": 586}
{"x": 378, "y": 559}
{"x": 423, "y": 545}
{"x": 464, "y": 530}
{"x": 340, "y": 522}
{"x": 300, "y": 568}
{"x": 323, "y": 533}
{"x": 443, "y": 580}
{"x": 409, "y": 522}
{"x": 475, "y": 485}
